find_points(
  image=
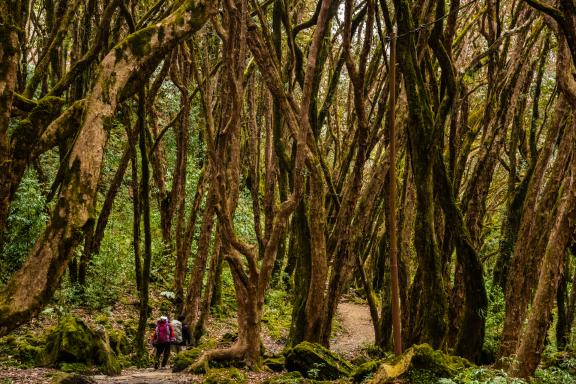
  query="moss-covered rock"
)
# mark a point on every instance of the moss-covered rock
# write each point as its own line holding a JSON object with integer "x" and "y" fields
{"x": 439, "y": 363}
{"x": 185, "y": 359}
{"x": 316, "y": 362}
{"x": 361, "y": 372}
{"x": 72, "y": 341}
{"x": 225, "y": 376}
{"x": 275, "y": 363}
{"x": 118, "y": 341}
{"x": 420, "y": 358}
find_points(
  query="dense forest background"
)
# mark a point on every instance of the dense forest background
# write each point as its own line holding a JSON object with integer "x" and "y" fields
{"x": 262, "y": 160}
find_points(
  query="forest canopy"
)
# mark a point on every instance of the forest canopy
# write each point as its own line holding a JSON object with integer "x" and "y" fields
{"x": 421, "y": 153}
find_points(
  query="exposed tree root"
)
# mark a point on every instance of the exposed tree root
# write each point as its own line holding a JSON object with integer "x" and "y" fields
{"x": 235, "y": 352}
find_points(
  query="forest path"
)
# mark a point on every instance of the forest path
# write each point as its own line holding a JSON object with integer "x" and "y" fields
{"x": 354, "y": 332}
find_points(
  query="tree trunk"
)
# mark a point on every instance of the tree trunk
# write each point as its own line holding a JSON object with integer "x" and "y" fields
{"x": 145, "y": 194}
{"x": 93, "y": 241}
{"x": 300, "y": 250}
{"x": 194, "y": 294}
{"x": 8, "y": 76}
{"x": 562, "y": 331}
{"x": 428, "y": 300}
{"x": 213, "y": 281}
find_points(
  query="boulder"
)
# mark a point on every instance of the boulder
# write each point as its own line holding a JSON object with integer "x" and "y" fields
{"x": 420, "y": 357}
{"x": 72, "y": 341}
{"x": 225, "y": 376}
{"x": 316, "y": 362}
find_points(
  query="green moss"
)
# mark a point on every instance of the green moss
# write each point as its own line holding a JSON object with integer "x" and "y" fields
{"x": 25, "y": 350}
{"x": 365, "y": 370}
{"x": 420, "y": 364}
{"x": 72, "y": 341}
{"x": 225, "y": 376}
{"x": 139, "y": 42}
{"x": 75, "y": 368}
{"x": 275, "y": 363}
{"x": 316, "y": 362}
{"x": 439, "y": 363}
{"x": 185, "y": 358}
{"x": 118, "y": 342}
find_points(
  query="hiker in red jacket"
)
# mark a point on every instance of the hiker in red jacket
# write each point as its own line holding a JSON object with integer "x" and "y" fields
{"x": 163, "y": 336}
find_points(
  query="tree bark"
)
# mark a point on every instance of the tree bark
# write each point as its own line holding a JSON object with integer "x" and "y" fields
{"x": 145, "y": 194}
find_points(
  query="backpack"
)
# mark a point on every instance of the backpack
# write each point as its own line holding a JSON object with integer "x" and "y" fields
{"x": 177, "y": 328}
{"x": 163, "y": 331}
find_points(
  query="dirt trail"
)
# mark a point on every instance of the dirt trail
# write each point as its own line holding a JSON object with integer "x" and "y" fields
{"x": 357, "y": 329}
{"x": 148, "y": 376}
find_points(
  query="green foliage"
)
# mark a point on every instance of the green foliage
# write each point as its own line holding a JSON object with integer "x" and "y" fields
{"x": 277, "y": 313}
{"x": 422, "y": 376}
{"x": 481, "y": 376}
{"x": 494, "y": 322}
{"x": 228, "y": 305}
{"x": 26, "y": 220}
{"x": 553, "y": 375}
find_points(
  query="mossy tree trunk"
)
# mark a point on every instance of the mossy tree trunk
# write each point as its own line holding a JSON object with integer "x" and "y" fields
{"x": 429, "y": 305}
{"x": 10, "y": 22}
{"x": 34, "y": 284}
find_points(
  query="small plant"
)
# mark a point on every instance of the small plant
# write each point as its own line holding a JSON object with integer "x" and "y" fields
{"x": 314, "y": 372}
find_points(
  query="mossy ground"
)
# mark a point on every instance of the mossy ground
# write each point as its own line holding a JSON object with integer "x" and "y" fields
{"x": 225, "y": 376}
